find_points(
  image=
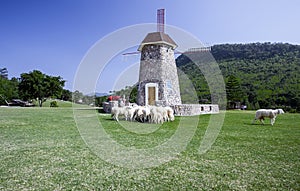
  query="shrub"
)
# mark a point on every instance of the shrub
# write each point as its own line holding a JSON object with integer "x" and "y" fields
{"x": 53, "y": 104}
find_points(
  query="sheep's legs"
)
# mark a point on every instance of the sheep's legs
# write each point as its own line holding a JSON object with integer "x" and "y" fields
{"x": 272, "y": 121}
{"x": 262, "y": 121}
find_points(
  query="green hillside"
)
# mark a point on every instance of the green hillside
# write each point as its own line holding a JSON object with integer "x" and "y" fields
{"x": 267, "y": 74}
{"x": 60, "y": 103}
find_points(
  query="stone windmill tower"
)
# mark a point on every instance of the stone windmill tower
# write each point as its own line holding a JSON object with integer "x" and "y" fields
{"x": 158, "y": 79}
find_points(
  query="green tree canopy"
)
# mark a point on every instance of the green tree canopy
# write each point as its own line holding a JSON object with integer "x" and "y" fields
{"x": 66, "y": 95}
{"x": 77, "y": 96}
{"x": 8, "y": 90}
{"x": 234, "y": 91}
{"x": 268, "y": 73}
{"x": 36, "y": 85}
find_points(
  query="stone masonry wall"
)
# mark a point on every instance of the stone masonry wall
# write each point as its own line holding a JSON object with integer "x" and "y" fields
{"x": 158, "y": 65}
{"x": 195, "y": 109}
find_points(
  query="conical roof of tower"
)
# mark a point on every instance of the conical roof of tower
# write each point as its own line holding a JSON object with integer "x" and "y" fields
{"x": 157, "y": 38}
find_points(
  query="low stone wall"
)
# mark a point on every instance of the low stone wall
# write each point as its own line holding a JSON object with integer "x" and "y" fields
{"x": 195, "y": 109}
{"x": 179, "y": 110}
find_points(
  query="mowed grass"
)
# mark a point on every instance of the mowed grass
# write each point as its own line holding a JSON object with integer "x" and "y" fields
{"x": 60, "y": 103}
{"x": 41, "y": 149}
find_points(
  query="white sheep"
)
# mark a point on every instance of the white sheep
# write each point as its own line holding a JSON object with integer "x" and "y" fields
{"x": 127, "y": 112}
{"x": 262, "y": 113}
{"x": 167, "y": 114}
{"x": 170, "y": 114}
{"x": 130, "y": 112}
{"x": 152, "y": 114}
{"x": 163, "y": 112}
{"x": 146, "y": 113}
{"x": 156, "y": 115}
{"x": 159, "y": 118}
{"x": 138, "y": 114}
{"x": 142, "y": 113}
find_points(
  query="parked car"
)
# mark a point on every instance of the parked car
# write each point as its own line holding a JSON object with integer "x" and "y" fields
{"x": 18, "y": 102}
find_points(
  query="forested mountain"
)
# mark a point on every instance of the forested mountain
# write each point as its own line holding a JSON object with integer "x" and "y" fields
{"x": 265, "y": 74}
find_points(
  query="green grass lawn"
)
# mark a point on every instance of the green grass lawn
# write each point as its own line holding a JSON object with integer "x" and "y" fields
{"x": 60, "y": 103}
{"x": 41, "y": 149}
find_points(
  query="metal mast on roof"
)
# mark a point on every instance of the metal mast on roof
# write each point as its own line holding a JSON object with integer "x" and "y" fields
{"x": 161, "y": 20}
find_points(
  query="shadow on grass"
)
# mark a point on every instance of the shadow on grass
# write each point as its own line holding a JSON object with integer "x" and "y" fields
{"x": 108, "y": 119}
{"x": 256, "y": 124}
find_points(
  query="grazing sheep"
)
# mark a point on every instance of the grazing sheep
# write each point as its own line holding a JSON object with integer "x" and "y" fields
{"x": 163, "y": 112}
{"x": 146, "y": 113}
{"x": 152, "y": 114}
{"x": 125, "y": 111}
{"x": 130, "y": 112}
{"x": 156, "y": 115}
{"x": 159, "y": 118}
{"x": 262, "y": 113}
{"x": 138, "y": 114}
{"x": 142, "y": 113}
{"x": 170, "y": 113}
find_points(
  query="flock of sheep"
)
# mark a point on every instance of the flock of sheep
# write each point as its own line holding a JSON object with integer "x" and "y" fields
{"x": 159, "y": 114}
{"x": 151, "y": 114}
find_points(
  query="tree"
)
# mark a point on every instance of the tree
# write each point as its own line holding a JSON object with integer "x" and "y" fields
{"x": 77, "y": 97}
{"x": 133, "y": 94}
{"x": 100, "y": 100}
{"x": 8, "y": 89}
{"x": 66, "y": 95}
{"x": 268, "y": 72}
{"x": 36, "y": 85}
{"x": 234, "y": 91}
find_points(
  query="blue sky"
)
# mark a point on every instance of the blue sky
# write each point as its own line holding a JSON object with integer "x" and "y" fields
{"x": 53, "y": 36}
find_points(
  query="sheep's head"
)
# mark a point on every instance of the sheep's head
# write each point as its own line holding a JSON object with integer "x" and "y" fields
{"x": 171, "y": 117}
{"x": 280, "y": 111}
